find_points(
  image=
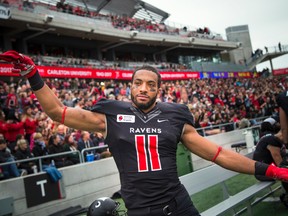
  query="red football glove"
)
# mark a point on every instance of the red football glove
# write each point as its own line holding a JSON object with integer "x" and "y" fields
{"x": 277, "y": 173}
{"x": 22, "y": 64}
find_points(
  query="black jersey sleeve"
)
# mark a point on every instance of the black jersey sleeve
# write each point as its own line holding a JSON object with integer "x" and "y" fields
{"x": 178, "y": 112}
{"x": 108, "y": 107}
{"x": 187, "y": 115}
{"x": 102, "y": 106}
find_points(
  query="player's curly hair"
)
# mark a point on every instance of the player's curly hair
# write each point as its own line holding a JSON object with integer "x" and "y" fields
{"x": 149, "y": 68}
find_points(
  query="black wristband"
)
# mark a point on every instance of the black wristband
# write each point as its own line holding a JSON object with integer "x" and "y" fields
{"x": 36, "y": 81}
{"x": 260, "y": 168}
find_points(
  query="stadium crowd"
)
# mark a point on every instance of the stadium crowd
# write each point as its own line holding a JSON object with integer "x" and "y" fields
{"x": 28, "y": 132}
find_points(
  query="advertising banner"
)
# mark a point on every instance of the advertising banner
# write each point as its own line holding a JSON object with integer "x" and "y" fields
{"x": 106, "y": 74}
{"x": 281, "y": 71}
{"x": 4, "y": 12}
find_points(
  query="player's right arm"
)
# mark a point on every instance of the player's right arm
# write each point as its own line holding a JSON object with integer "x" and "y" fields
{"x": 72, "y": 117}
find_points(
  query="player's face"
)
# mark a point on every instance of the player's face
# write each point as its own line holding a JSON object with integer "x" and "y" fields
{"x": 144, "y": 90}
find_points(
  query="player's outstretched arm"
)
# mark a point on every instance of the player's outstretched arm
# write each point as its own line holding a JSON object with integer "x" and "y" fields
{"x": 72, "y": 117}
{"x": 228, "y": 158}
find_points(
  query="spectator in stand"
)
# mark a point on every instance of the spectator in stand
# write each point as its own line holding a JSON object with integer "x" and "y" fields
{"x": 23, "y": 152}
{"x": 29, "y": 122}
{"x": 10, "y": 170}
{"x": 5, "y": 2}
{"x": 67, "y": 100}
{"x": 3, "y": 96}
{"x": 11, "y": 102}
{"x": 61, "y": 6}
{"x": 40, "y": 149}
{"x": 3, "y": 127}
{"x": 27, "y": 5}
{"x": 55, "y": 147}
{"x": 99, "y": 141}
{"x": 69, "y": 9}
{"x": 24, "y": 101}
{"x": 78, "y": 11}
{"x": 128, "y": 90}
{"x": 33, "y": 100}
{"x": 85, "y": 142}
{"x": 269, "y": 107}
{"x": 71, "y": 145}
{"x": 244, "y": 123}
{"x": 14, "y": 127}
{"x": 61, "y": 131}
{"x": 280, "y": 47}
{"x": 13, "y": 146}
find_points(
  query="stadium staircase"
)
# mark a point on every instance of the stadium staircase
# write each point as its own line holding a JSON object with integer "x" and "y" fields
{"x": 253, "y": 62}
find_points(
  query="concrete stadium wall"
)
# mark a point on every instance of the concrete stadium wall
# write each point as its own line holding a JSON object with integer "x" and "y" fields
{"x": 85, "y": 182}
{"x": 82, "y": 183}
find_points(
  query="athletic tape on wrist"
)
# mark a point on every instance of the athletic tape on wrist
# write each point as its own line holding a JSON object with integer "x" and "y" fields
{"x": 260, "y": 168}
{"x": 36, "y": 81}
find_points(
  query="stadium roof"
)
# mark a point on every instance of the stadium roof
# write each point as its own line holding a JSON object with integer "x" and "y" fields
{"x": 131, "y": 8}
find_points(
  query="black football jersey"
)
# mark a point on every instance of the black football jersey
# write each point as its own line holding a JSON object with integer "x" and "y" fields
{"x": 144, "y": 148}
{"x": 282, "y": 101}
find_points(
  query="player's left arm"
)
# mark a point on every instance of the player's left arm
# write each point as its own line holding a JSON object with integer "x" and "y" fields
{"x": 227, "y": 158}
{"x": 208, "y": 150}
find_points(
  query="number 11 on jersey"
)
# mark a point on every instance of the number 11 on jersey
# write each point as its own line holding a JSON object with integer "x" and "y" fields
{"x": 142, "y": 155}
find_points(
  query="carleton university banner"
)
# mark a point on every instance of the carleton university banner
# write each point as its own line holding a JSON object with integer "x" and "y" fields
{"x": 69, "y": 72}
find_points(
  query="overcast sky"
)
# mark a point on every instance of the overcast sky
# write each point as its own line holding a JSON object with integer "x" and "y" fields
{"x": 267, "y": 20}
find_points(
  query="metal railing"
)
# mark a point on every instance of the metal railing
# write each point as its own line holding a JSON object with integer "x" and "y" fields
{"x": 81, "y": 156}
{"x": 40, "y": 158}
{"x": 89, "y": 149}
{"x": 220, "y": 126}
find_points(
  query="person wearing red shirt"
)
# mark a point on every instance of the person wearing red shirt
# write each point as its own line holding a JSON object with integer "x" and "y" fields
{"x": 3, "y": 127}
{"x": 13, "y": 129}
{"x": 218, "y": 101}
{"x": 11, "y": 100}
{"x": 29, "y": 122}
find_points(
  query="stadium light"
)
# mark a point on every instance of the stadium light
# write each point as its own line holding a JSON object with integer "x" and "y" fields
{"x": 48, "y": 18}
{"x": 133, "y": 33}
{"x": 191, "y": 39}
